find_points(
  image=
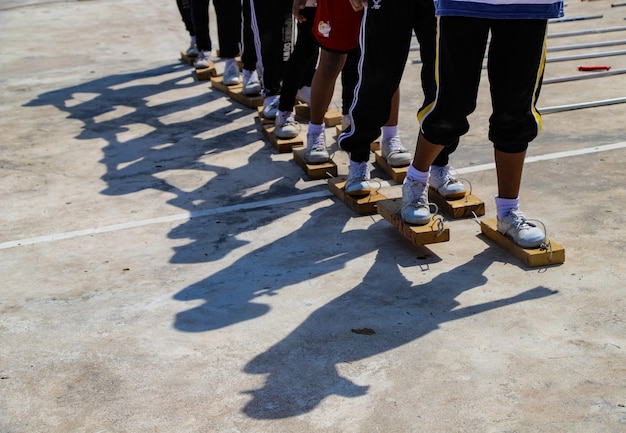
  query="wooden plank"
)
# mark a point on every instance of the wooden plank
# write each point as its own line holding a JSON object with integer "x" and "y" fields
{"x": 464, "y": 207}
{"x": 366, "y": 205}
{"x": 235, "y": 93}
{"x": 314, "y": 171}
{"x": 282, "y": 145}
{"x": 532, "y": 257}
{"x": 396, "y": 173}
{"x": 187, "y": 59}
{"x": 433, "y": 232}
{"x": 205, "y": 74}
{"x": 331, "y": 118}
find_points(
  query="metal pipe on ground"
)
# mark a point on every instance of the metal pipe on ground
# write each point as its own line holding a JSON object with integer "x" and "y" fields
{"x": 585, "y": 56}
{"x": 569, "y": 107}
{"x": 586, "y": 32}
{"x": 589, "y": 45}
{"x": 568, "y": 58}
{"x": 584, "y": 76}
{"x": 564, "y": 20}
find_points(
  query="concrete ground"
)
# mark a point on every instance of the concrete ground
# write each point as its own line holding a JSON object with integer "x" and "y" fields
{"x": 164, "y": 269}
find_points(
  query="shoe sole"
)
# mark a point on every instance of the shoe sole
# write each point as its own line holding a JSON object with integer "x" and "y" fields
{"x": 399, "y": 164}
{"x": 359, "y": 192}
{"x": 316, "y": 161}
{"x": 455, "y": 196}
{"x": 286, "y": 136}
{"x": 416, "y": 222}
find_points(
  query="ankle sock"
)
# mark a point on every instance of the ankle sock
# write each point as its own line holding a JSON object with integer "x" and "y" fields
{"x": 389, "y": 132}
{"x": 417, "y": 175}
{"x": 505, "y": 205}
{"x": 316, "y": 129}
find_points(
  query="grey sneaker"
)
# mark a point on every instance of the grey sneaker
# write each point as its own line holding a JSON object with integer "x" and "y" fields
{"x": 358, "y": 179}
{"x": 270, "y": 106}
{"x": 286, "y": 126}
{"x": 203, "y": 61}
{"x": 231, "y": 73}
{"x": 316, "y": 152}
{"x": 251, "y": 83}
{"x": 415, "y": 206}
{"x": 447, "y": 186}
{"x": 192, "y": 51}
{"x": 524, "y": 233}
{"x": 304, "y": 95}
{"x": 395, "y": 153}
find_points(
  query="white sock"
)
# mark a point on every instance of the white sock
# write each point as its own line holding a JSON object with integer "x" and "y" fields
{"x": 505, "y": 205}
{"x": 316, "y": 129}
{"x": 390, "y": 132}
{"x": 229, "y": 62}
{"x": 193, "y": 40}
{"x": 416, "y": 175}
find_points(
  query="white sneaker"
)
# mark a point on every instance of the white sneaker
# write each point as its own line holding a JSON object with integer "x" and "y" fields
{"x": 304, "y": 95}
{"x": 286, "y": 125}
{"x": 270, "y": 106}
{"x": 231, "y": 73}
{"x": 251, "y": 83}
{"x": 395, "y": 153}
{"x": 524, "y": 233}
{"x": 447, "y": 186}
{"x": 203, "y": 61}
{"x": 316, "y": 152}
{"x": 415, "y": 207}
{"x": 358, "y": 179}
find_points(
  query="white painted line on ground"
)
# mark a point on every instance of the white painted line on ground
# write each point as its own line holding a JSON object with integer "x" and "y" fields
{"x": 161, "y": 220}
{"x": 273, "y": 202}
{"x": 549, "y": 156}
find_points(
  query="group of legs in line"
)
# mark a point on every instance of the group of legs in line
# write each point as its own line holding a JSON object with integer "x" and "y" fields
{"x": 234, "y": 33}
{"x": 369, "y": 45}
{"x": 453, "y": 40}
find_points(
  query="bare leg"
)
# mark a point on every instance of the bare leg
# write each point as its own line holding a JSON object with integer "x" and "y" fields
{"x": 509, "y": 168}
{"x": 395, "y": 109}
{"x": 425, "y": 153}
{"x": 323, "y": 85}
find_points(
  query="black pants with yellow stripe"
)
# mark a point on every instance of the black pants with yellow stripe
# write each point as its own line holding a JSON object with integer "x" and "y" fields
{"x": 515, "y": 64}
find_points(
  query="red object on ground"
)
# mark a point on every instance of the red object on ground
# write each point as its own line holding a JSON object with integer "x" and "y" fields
{"x": 594, "y": 68}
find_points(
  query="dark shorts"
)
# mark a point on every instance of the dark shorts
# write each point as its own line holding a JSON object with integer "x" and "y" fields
{"x": 337, "y": 25}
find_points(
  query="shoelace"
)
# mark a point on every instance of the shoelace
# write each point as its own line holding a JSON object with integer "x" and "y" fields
{"x": 362, "y": 173}
{"x": 233, "y": 69}
{"x": 286, "y": 120}
{"x": 274, "y": 104}
{"x": 520, "y": 221}
{"x": 421, "y": 199}
{"x": 395, "y": 146}
{"x": 319, "y": 143}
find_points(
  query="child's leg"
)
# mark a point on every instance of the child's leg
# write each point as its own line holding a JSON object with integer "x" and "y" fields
{"x": 323, "y": 85}
{"x": 509, "y": 168}
{"x": 515, "y": 73}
